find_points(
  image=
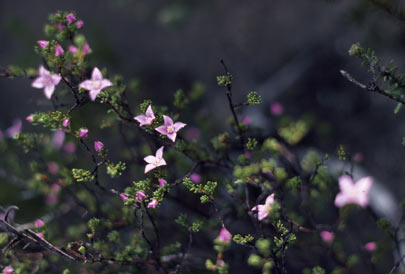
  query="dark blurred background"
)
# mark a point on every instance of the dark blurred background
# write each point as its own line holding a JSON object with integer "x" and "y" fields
{"x": 289, "y": 51}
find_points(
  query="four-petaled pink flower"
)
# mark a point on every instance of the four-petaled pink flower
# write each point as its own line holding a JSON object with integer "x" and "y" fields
{"x": 327, "y": 236}
{"x": 162, "y": 182}
{"x": 264, "y": 210}
{"x": 43, "y": 43}
{"x": 71, "y": 18}
{"x": 39, "y": 223}
{"x": 370, "y": 246}
{"x": 96, "y": 84}
{"x": 146, "y": 119}
{"x": 155, "y": 161}
{"x": 79, "y": 24}
{"x": 224, "y": 235}
{"x": 58, "y": 50}
{"x": 169, "y": 128}
{"x": 98, "y": 145}
{"x": 353, "y": 193}
{"x": 153, "y": 203}
{"x": 66, "y": 122}
{"x": 47, "y": 81}
{"x": 83, "y": 132}
{"x": 8, "y": 270}
{"x": 140, "y": 195}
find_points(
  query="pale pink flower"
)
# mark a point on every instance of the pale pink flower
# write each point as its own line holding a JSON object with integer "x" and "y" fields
{"x": 47, "y": 81}
{"x": 83, "y": 133}
{"x": 53, "y": 167}
{"x": 66, "y": 122}
{"x": 224, "y": 235}
{"x": 14, "y": 129}
{"x": 59, "y": 50}
{"x": 96, "y": 84}
{"x": 58, "y": 138}
{"x": 40, "y": 235}
{"x": 162, "y": 182}
{"x": 192, "y": 134}
{"x": 8, "y": 270}
{"x": 153, "y": 203}
{"x": 86, "y": 49}
{"x": 140, "y": 195}
{"x": 98, "y": 145}
{"x": 195, "y": 177}
{"x": 155, "y": 161}
{"x": 39, "y": 223}
{"x": 71, "y": 18}
{"x": 43, "y": 43}
{"x": 29, "y": 118}
{"x": 358, "y": 157}
{"x": 264, "y": 210}
{"x": 73, "y": 49}
{"x": 327, "y": 236}
{"x": 60, "y": 26}
{"x": 353, "y": 193}
{"x": 79, "y": 24}
{"x": 146, "y": 119}
{"x": 169, "y": 128}
{"x": 246, "y": 120}
{"x": 276, "y": 109}
{"x": 370, "y": 246}
{"x": 124, "y": 197}
{"x": 69, "y": 147}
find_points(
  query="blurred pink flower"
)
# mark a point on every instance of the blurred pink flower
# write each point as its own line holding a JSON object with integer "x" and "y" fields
{"x": 264, "y": 209}
{"x": 58, "y": 138}
{"x": 53, "y": 167}
{"x": 86, "y": 49}
{"x": 39, "y": 223}
{"x": 155, "y": 161}
{"x": 246, "y": 120}
{"x": 51, "y": 199}
{"x": 153, "y": 203}
{"x": 69, "y": 147}
{"x": 98, "y": 145}
{"x": 40, "y": 235}
{"x": 47, "y": 81}
{"x": 71, "y": 18}
{"x": 224, "y": 235}
{"x": 83, "y": 133}
{"x": 146, "y": 119}
{"x": 248, "y": 154}
{"x": 169, "y": 128}
{"x": 96, "y": 84}
{"x": 60, "y": 26}
{"x": 353, "y": 193}
{"x": 59, "y": 50}
{"x": 14, "y": 129}
{"x": 55, "y": 188}
{"x": 29, "y": 118}
{"x": 79, "y": 24}
{"x": 358, "y": 157}
{"x": 195, "y": 177}
{"x": 72, "y": 49}
{"x": 192, "y": 134}
{"x": 66, "y": 122}
{"x": 370, "y": 246}
{"x": 8, "y": 270}
{"x": 43, "y": 43}
{"x": 276, "y": 109}
{"x": 140, "y": 195}
{"x": 162, "y": 182}
{"x": 124, "y": 197}
{"x": 327, "y": 236}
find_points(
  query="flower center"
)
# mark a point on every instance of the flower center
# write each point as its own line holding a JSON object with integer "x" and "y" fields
{"x": 149, "y": 119}
{"x": 96, "y": 84}
{"x": 170, "y": 129}
{"x": 157, "y": 161}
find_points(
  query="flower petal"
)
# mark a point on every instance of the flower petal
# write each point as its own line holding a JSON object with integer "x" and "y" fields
{"x": 346, "y": 184}
{"x": 48, "y": 91}
{"x": 178, "y": 125}
{"x": 149, "y": 112}
{"x": 105, "y": 83}
{"x": 87, "y": 84}
{"x": 150, "y": 159}
{"x": 159, "y": 153}
{"x": 167, "y": 121}
{"x": 149, "y": 167}
{"x": 96, "y": 75}
{"x": 141, "y": 119}
{"x": 43, "y": 71}
{"x": 162, "y": 129}
{"x": 56, "y": 79}
{"x": 38, "y": 82}
{"x": 172, "y": 136}
{"x": 93, "y": 94}
{"x": 269, "y": 200}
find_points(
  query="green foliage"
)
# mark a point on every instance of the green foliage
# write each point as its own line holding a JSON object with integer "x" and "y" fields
{"x": 294, "y": 131}
{"x": 207, "y": 190}
{"x": 254, "y": 98}
{"x": 180, "y": 99}
{"x": 224, "y": 80}
{"x": 82, "y": 175}
{"x": 318, "y": 270}
{"x": 242, "y": 239}
{"x": 115, "y": 170}
{"x": 251, "y": 144}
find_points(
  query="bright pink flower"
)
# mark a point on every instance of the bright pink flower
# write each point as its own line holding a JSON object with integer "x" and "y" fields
{"x": 370, "y": 246}
{"x": 195, "y": 177}
{"x": 246, "y": 120}
{"x": 83, "y": 133}
{"x": 66, "y": 122}
{"x": 169, "y": 128}
{"x": 47, "y": 81}
{"x": 162, "y": 182}
{"x": 224, "y": 235}
{"x": 358, "y": 157}
{"x": 29, "y": 118}
{"x": 79, "y": 24}
{"x": 40, "y": 235}
{"x": 72, "y": 49}
{"x": 140, "y": 195}
{"x": 58, "y": 138}
{"x": 192, "y": 134}
{"x": 14, "y": 129}
{"x": 60, "y": 26}
{"x": 43, "y": 43}
{"x": 71, "y": 18}
{"x": 155, "y": 161}
{"x": 53, "y": 167}
{"x": 124, "y": 197}
{"x": 146, "y": 119}
{"x": 58, "y": 50}
{"x": 264, "y": 210}
{"x": 153, "y": 203}
{"x": 39, "y": 223}
{"x": 327, "y": 236}
{"x": 69, "y": 147}
{"x": 8, "y": 270}
{"x": 96, "y": 84}
{"x": 98, "y": 145}
{"x": 276, "y": 109}
{"x": 86, "y": 49}
{"x": 353, "y": 193}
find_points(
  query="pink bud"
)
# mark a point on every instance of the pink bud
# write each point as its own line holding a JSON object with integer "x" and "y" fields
{"x": 140, "y": 195}
{"x": 60, "y": 26}
{"x": 246, "y": 120}
{"x": 83, "y": 133}
{"x": 69, "y": 148}
{"x": 79, "y": 24}
{"x": 55, "y": 188}
{"x": 195, "y": 177}
{"x": 327, "y": 236}
{"x": 224, "y": 235}
{"x": 40, "y": 235}
{"x": 162, "y": 182}
{"x": 153, "y": 203}
{"x": 124, "y": 197}
{"x": 248, "y": 154}
{"x": 358, "y": 157}
{"x": 8, "y": 270}
{"x": 39, "y": 223}
{"x": 276, "y": 109}
{"x": 53, "y": 168}
{"x": 370, "y": 246}
{"x": 43, "y": 43}
{"x": 58, "y": 138}
{"x": 98, "y": 145}
{"x": 58, "y": 50}
{"x": 86, "y": 48}
{"x": 66, "y": 122}
{"x": 71, "y": 18}
{"x": 72, "y": 49}
{"x": 29, "y": 118}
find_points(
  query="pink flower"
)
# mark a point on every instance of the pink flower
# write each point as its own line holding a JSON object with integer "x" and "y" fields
{"x": 124, "y": 197}
{"x": 8, "y": 270}
{"x": 224, "y": 235}
{"x": 276, "y": 109}
{"x": 60, "y": 26}
{"x": 29, "y": 118}
{"x": 58, "y": 50}
{"x": 66, "y": 122}
{"x": 146, "y": 119}
{"x": 98, "y": 145}
{"x": 358, "y": 157}
{"x": 153, "y": 203}
{"x": 155, "y": 161}
{"x": 86, "y": 48}
{"x": 40, "y": 235}
{"x": 55, "y": 188}
{"x": 79, "y": 24}
{"x": 140, "y": 195}
{"x": 327, "y": 236}
{"x": 14, "y": 129}
{"x": 169, "y": 129}
{"x": 248, "y": 154}
{"x": 96, "y": 84}
{"x": 353, "y": 193}
{"x": 264, "y": 210}
{"x": 39, "y": 223}
{"x": 370, "y": 246}
{"x": 162, "y": 182}
{"x": 83, "y": 133}
{"x": 43, "y": 43}
{"x": 69, "y": 147}
{"x": 47, "y": 81}
{"x": 58, "y": 138}
{"x": 195, "y": 177}
{"x": 53, "y": 167}
{"x": 246, "y": 120}
{"x": 71, "y": 18}
{"x": 72, "y": 49}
